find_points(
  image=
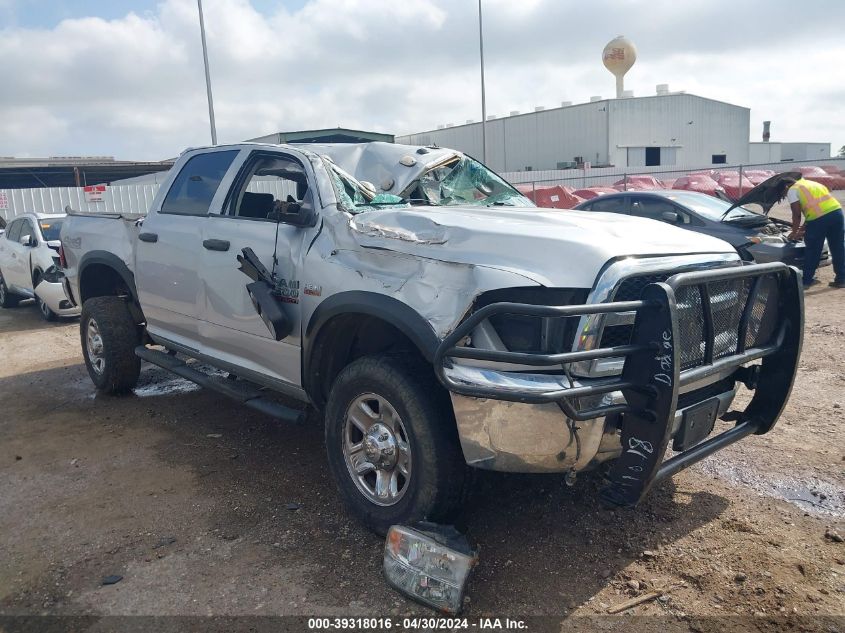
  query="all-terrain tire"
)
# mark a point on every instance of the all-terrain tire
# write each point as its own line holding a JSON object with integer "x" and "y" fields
{"x": 438, "y": 472}
{"x": 109, "y": 336}
{"x": 7, "y": 299}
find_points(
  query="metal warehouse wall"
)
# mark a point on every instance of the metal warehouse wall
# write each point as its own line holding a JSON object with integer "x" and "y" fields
{"x": 601, "y": 132}
{"x": 537, "y": 140}
{"x": 764, "y": 152}
{"x": 697, "y": 128}
{"x": 124, "y": 199}
{"x": 776, "y": 151}
{"x": 116, "y": 199}
{"x": 804, "y": 151}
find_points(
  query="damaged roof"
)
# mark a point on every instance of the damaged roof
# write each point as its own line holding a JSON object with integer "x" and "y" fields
{"x": 325, "y": 135}
{"x": 390, "y": 167}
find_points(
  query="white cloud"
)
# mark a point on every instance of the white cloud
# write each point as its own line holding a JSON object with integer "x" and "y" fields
{"x": 134, "y": 87}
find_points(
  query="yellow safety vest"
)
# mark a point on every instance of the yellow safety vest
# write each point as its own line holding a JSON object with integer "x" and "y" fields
{"x": 815, "y": 199}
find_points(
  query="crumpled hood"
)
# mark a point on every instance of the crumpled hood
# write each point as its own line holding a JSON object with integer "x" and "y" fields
{"x": 552, "y": 247}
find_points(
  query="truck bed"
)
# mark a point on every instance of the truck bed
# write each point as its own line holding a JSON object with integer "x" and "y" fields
{"x": 84, "y": 233}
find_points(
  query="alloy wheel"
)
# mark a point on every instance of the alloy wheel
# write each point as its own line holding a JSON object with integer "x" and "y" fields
{"x": 376, "y": 449}
{"x": 94, "y": 345}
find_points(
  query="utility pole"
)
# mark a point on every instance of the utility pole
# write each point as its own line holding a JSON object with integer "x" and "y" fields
{"x": 483, "y": 99}
{"x": 207, "y": 77}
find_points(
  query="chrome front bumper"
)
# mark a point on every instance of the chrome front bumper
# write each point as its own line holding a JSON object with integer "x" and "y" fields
{"x": 547, "y": 420}
{"x": 537, "y": 438}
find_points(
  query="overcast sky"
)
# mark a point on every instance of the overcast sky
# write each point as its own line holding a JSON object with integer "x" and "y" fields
{"x": 125, "y": 78}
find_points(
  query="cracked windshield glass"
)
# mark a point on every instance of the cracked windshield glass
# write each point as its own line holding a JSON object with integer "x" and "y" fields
{"x": 462, "y": 181}
{"x": 355, "y": 196}
{"x": 458, "y": 182}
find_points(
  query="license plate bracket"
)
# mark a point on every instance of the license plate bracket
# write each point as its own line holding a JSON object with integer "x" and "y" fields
{"x": 696, "y": 424}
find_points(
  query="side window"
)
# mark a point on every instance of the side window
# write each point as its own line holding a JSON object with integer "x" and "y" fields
{"x": 653, "y": 208}
{"x": 610, "y": 205}
{"x": 14, "y": 231}
{"x": 271, "y": 183}
{"x": 195, "y": 186}
{"x": 26, "y": 229}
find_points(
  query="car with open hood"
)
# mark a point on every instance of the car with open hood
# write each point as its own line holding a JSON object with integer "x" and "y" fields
{"x": 755, "y": 236}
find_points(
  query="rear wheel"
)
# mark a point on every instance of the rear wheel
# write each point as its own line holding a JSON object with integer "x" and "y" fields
{"x": 7, "y": 300}
{"x": 392, "y": 444}
{"x": 109, "y": 336}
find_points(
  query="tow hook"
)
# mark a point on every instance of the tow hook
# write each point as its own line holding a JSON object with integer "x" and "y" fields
{"x": 748, "y": 376}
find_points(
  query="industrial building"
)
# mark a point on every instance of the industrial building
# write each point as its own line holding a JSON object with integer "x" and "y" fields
{"x": 776, "y": 152}
{"x": 666, "y": 129}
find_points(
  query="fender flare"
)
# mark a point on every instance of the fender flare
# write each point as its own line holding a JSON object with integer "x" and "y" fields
{"x": 400, "y": 315}
{"x": 112, "y": 261}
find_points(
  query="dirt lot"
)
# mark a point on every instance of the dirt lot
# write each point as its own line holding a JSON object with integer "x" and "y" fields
{"x": 206, "y": 508}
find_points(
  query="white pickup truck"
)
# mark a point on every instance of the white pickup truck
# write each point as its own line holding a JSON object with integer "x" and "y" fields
{"x": 437, "y": 319}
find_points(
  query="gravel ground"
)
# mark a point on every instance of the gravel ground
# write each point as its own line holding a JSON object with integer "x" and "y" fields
{"x": 187, "y": 496}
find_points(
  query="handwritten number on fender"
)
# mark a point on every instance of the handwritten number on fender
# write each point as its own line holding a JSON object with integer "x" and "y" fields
{"x": 634, "y": 444}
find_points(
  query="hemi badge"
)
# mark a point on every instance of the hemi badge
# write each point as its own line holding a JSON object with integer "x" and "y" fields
{"x": 314, "y": 290}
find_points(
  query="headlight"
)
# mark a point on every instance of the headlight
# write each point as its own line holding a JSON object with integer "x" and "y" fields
{"x": 522, "y": 333}
{"x": 430, "y": 564}
{"x": 765, "y": 239}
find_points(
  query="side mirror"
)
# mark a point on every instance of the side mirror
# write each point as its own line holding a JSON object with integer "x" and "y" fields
{"x": 670, "y": 216}
{"x": 300, "y": 214}
{"x": 27, "y": 240}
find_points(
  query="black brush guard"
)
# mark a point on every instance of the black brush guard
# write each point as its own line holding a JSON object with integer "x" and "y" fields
{"x": 652, "y": 374}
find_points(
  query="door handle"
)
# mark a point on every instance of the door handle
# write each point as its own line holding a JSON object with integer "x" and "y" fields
{"x": 148, "y": 237}
{"x": 216, "y": 245}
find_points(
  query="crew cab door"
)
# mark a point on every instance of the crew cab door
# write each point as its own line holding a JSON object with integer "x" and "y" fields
{"x": 169, "y": 248}
{"x": 234, "y": 333}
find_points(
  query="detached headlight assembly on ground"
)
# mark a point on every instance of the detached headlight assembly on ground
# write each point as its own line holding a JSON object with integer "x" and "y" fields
{"x": 429, "y": 563}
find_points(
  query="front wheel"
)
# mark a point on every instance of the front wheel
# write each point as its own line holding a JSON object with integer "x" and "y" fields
{"x": 109, "y": 336}
{"x": 392, "y": 444}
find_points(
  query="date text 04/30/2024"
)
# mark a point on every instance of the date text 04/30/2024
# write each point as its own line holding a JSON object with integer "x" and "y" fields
{"x": 407, "y": 624}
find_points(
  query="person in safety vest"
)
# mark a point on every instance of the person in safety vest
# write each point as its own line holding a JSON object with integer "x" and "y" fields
{"x": 823, "y": 219}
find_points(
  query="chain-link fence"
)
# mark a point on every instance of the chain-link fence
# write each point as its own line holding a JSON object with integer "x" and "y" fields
{"x": 623, "y": 178}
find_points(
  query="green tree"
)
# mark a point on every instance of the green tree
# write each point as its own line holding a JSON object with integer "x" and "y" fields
{"x": 842, "y": 152}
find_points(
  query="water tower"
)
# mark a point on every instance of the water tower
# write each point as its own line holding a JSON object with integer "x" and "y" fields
{"x": 618, "y": 57}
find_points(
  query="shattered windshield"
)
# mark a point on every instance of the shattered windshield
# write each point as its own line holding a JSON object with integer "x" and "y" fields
{"x": 461, "y": 181}
{"x": 354, "y": 196}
